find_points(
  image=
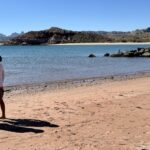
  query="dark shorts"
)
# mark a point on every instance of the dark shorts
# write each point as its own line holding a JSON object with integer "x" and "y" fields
{"x": 1, "y": 92}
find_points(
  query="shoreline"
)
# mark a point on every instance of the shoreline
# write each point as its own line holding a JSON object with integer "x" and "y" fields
{"x": 118, "y": 43}
{"x": 84, "y": 44}
{"x": 72, "y": 83}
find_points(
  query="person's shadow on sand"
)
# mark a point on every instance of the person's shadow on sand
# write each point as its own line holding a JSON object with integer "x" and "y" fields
{"x": 24, "y": 125}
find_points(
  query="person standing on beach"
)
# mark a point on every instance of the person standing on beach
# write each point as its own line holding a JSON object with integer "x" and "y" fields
{"x": 2, "y": 104}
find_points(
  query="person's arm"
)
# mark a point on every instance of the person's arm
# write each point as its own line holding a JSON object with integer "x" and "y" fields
{"x": 3, "y": 73}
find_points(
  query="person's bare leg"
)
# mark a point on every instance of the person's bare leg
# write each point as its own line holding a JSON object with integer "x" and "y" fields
{"x": 2, "y": 104}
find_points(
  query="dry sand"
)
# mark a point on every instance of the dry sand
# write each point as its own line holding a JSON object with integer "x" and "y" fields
{"x": 118, "y": 43}
{"x": 112, "y": 114}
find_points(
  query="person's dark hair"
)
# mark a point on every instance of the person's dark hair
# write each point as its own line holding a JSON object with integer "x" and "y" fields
{"x": 0, "y": 58}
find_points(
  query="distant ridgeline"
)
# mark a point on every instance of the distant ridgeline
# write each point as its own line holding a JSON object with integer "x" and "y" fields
{"x": 59, "y": 36}
{"x": 4, "y": 38}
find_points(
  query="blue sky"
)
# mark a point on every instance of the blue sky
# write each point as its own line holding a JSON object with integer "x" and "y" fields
{"x": 26, "y": 15}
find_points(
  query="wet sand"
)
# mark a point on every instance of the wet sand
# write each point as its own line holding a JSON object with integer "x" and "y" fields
{"x": 110, "y": 113}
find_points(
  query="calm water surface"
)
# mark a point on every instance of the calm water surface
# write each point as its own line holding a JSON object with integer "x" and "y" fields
{"x": 37, "y": 64}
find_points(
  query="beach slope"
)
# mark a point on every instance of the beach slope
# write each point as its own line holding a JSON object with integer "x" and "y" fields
{"x": 111, "y": 115}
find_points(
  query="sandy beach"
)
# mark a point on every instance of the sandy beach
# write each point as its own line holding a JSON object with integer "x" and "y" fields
{"x": 119, "y": 43}
{"x": 95, "y": 114}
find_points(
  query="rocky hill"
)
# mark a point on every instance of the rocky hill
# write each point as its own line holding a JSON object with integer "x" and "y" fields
{"x": 56, "y": 35}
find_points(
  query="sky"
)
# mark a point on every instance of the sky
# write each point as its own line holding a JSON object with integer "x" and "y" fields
{"x": 79, "y": 15}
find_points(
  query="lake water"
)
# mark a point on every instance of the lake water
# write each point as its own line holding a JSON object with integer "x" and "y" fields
{"x": 37, "y": 64}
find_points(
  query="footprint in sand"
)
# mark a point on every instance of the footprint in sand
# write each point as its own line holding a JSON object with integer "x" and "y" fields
{"x": 56, "y": 108}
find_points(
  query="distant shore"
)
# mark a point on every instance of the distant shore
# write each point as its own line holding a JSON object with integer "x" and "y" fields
{"x": 74, "y": 44}
{"x": 118, "y": 43}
